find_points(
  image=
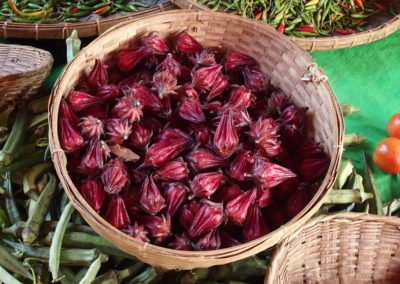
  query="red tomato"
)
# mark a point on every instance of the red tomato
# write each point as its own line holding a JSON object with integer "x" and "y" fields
{"x": 387, "y": 155}
{"x": 393, "y": 126}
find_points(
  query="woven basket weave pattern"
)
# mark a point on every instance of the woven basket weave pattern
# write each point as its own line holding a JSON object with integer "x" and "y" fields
{"x": 281, "y": 59}
{"x": 23, "y": 70}
{"x": 343, "y": 248}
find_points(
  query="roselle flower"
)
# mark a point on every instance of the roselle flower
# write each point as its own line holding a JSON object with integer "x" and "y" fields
{"x": 98, "y": 111}
{"x": 115, "y": 176}
{"x": 140, "y": 135}
{"x": 240, "y": 98}
{"x": 171, "y": 65}
{"x": 279, "y": 101}
{"x": 174, "y": 135}
{"x": 187, "y": 44}
{"x": 149, "y": 100}
{"x": 264, "y": 197}
{"x": 291, "y": 136}
{"x": 268, "y": 174}
{"x": 210, "y": 241}
{"x": 212, "y": 107}
{"x": 285, "y": 189}
{"x": 98, "y": 76}
{"x": 255, "y": 80}
{"x": 164, "y": 151}
{"x": 202, "y": 159}
{"x": 205, "y": 184}
{"x": 164, "y": 83}
{"x": 91, "y": 127}
{"x": 237, "y": 209}
{"x": 118, "y": 130}
{"x": 236, "y": 61}
{"x": 226, "y": 140}
{"x": 255, "y": 225}
{"x": 187, "y": 214}
{"x": 151, "y": 200}
{"x": 116, "y": 213}
{"x": 95, "y": 157}
{"x": 70, "y": 139}
{"x": 228, "y": 241}
{"x": 241, "y": 118}
{"x": 188, "y": 91}
{"x": 293, "y": 115}
{"x": 128, "y": 59}
{"x": 241, "y": 167}
{"x": 219, "y": 86}
{"x": 128, "y": 107}
{"x": 264, "y": 133}
{"x": 154, "y": 43}
{"x": 202, "y": 135}
{"x": 310, "y": 149}
{"x": 137, "y": 231}
{"x": 93, "y": 192}
{"x": 180, "y": 242}
{"x": 227, "y": 193}
{"x": 67, "y": 113}
{"x": 208, "y": 217}
{"x": 141, "y": 77}
{"x": 108, "y": 92}
{"x": 297, "y": 201}
{"x": 190, "y": 110}
{"x": 274, "y": 215}
{"x": 159, "y": 227}
{"x": 313, "y": 168}
{"x": 204, "y": 78}
{"x": 203, "y": 58}
{"x": 173, "y": 171}
{"x": 175, "y": 195}
{"x": 81, "y": 100}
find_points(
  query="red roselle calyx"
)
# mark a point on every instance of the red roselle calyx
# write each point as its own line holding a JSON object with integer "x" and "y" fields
{"x": 187, "y": 214}
{"x": 227, "y": 193}
{"x": 312, "y": 169}
{"x": 236, "y": 61}
{"x": 219, "y": 86}
{"x": 228, "y": 241}
{"x": 67, "y": 113}
{"x": 137, "y": 231}
{"x": 98, "y": 111}
{"x": 187, "y": 44}
{"x": 127, "y": 59}
{"x": 203, "y": 135}
{"x": 116, "y": 213}
{"x": 173, "y": 171}
{"x": 203, "y": 58}
{"x": 188, "y": 91}
{"x": 81, "y": 100}
{"x": 237, "y": 209}
{"x": 149, "y": 100}
{"x": 141, "y": 135}
{"x": 175, "y": 195}
{"x": 108, "y": 92}
{"x": 279, "y": 101}
{"x": 210, "y": 241}
{"x": 255, "y": 226}
{"x": 268, "y": 174}
{"x": 98, "y": 76}
{"x": 264, "y": 197}
{"x": 208, "y": 217}
{"x": 240, "y": 98}
{"x": 226, "y": 140}
{"x": 151, "y": 199}
{"x": 201, "y": 159}
{"x": 159, "y": 227}
{"x": 70, "y": 139}
{"x": 205, "y": 184}
{"x": 93, "y": 192}
{"x": 310, "y": 149}
{"x": 118, "y": 130}
{"x": 180, "y": 242}
{"x": 190, "y": 110}
{"x": 204, "y": 78}
{"x": 94, "y": 158}
{"x": 264, "y": 133}
{"x": 241, "y": 167}
{"x": 128, "y": 107}
{"x": 255, "y": 80}
{"x": 154, "y": 43}
{"x": 297, "y": 201}
{"x": 164, "y": 83}
{"x": 115, "y": 176}
{"x": 171, "y": 65}
{"x": 293, "y": 115}
{"x": 91, "y": 127}
{"x": 164, "y": 151}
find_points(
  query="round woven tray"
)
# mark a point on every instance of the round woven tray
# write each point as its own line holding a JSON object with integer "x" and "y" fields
{"x": 343, "y": 248}
{"x": 89, "y": 28}
{"x": 22, "y": 71}
{"x": 289, "y": 67}
{"x": 379, "y": 26}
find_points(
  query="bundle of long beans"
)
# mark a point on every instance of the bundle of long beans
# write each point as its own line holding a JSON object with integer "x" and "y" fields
{"x": 304, "y": 18}
{"x": 42, "y": 11}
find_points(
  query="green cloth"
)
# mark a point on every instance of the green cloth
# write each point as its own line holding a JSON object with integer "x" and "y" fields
{"x": 367, "y": 76}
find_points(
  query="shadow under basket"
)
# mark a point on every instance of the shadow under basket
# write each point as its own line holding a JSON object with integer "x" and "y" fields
{"x": 342, "y": 248}
{"x": 288, "y": 66}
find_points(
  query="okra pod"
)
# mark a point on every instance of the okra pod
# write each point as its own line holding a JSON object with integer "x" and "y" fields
{"x": 92, "y": 271}
{"x": 117, "y": 276}
{"x": 9, "y": 262}
{"x": 32, "y": 176}
{"x": 150, "y": 275}
{"x": 11, "y": 205}
{"x": 353, "y": 139}
{"x": 7, "y": 278}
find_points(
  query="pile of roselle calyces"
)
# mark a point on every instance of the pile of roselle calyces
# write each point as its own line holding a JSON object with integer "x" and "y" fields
{"x": 188, "y": 148}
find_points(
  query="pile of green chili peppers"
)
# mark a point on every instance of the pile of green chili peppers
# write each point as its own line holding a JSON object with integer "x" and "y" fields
{"x": 52, "y": 11}
{"x": 304, "y": 18}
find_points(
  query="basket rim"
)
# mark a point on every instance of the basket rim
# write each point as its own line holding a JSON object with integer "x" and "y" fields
{"x": 312, "y": 43}
{"x": 347, "y": 217}
{"x": 81, "y": 204}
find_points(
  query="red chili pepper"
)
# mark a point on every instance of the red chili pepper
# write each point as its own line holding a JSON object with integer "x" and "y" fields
{"x": 258, "y": 15}
{"x": 359, "y": 3}
{"x": 281, "y": 28}
{"x": 345, "y": 31}
{"x": 72, "y": 10}
{"x": 341, "y": 4}
{"x": 305, "y": 28}
{"x": 358, "y": 22}
{"x": 101, "y": 10}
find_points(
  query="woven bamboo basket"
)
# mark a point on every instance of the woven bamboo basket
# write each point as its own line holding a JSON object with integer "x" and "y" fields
{"x": 289, "y": 67}
{"x": 379, "y": 26}
{"x": 22, "y": 71}
{"x": 343, "y": 248}
{"x": 89, "y": 28}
